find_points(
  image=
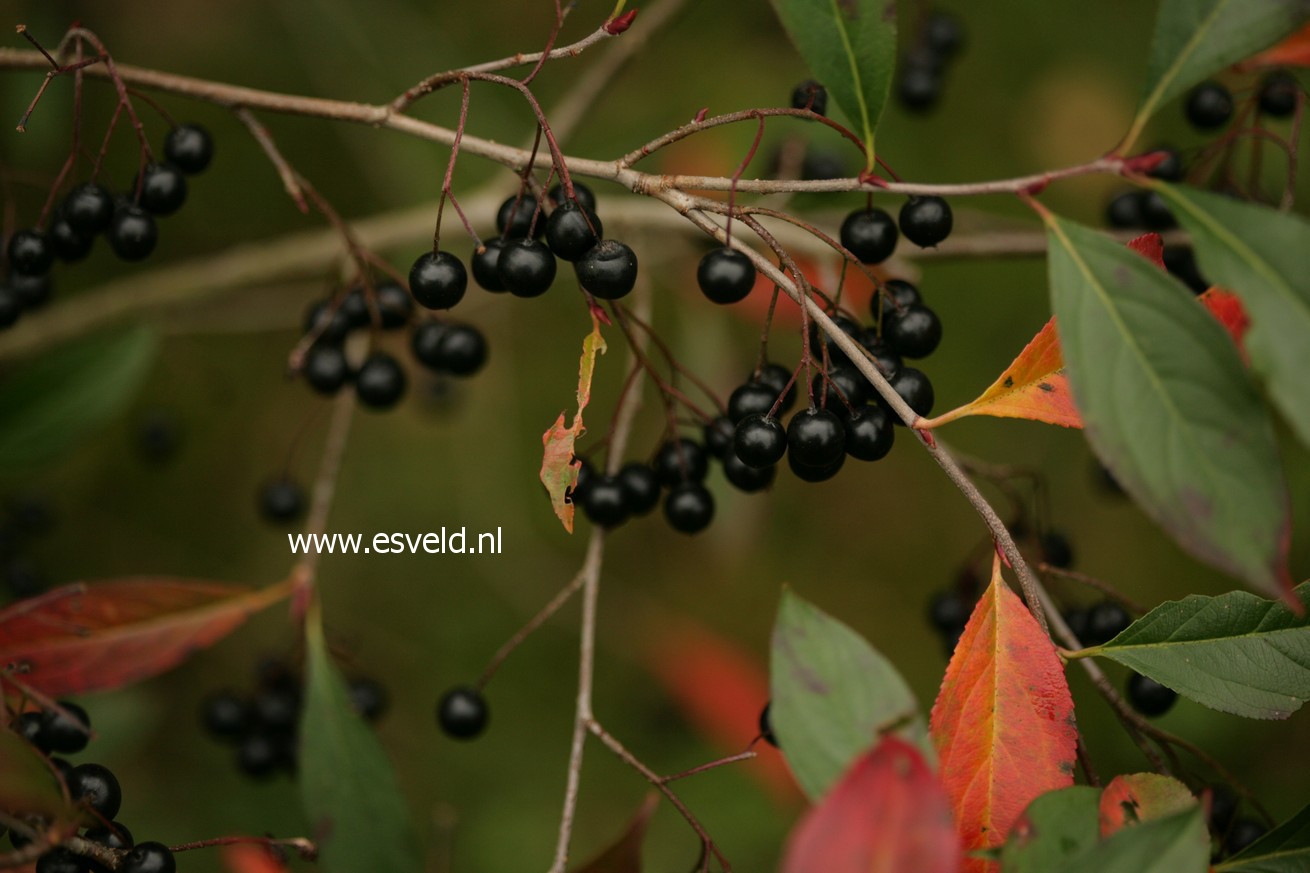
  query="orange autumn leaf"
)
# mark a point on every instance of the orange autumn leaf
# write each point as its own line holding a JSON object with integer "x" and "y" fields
{"x": 1294, "y": 51}
{"x": 1003, "y": 722}
{"x": 1227, "y": 308}
{"x": 1139, "y": 797}
{"x": 559, "y": 470}
{"x": 887, "y": 814}
{"x": 246, "y": 858}
{"x": 91, "y": 638}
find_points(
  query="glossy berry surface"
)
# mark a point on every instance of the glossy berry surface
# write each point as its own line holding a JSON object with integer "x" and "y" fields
{"x": 225, "y": 715}
{"x": 884, "y": 358}
{"x": 1209, "y": 106}
{"x": 778, "y": 377}
{"x": 326, "y": 369}
{"x": 163, "y": 189}
{"x": 368, "y": 697}
{"x": 69, "y": 245}
{"x": 759, "y": 441}
{"x": 608, "y": 270}
{"x": 572, "y": 231}
{"x": 88, "y": 208}
{"x": 30, "y": 252}
{"x": 746, "y": 478}
{"x": 816, "y": 438}
{"x": 725, "y": 275}
{"x": 96, "y": 786}
{"x": 869, "y": 434}
{"x": 65, "y": 732}
{"x": 870, "y": 235}
{"x": 331, "y": 324}
{"x": 149, "y": 857}
{"x": 689, "y": 508}
{"x": 926, "y": 221}
{"x": 462, "y": 350}
{"x": 1156, "y": 212}
{"x": 581, "y": 193}
{"x": 605, "y": 502}
{"x": 943, "y": 34}
{"x": 462, "y": 713}
{"x": 919, "y": 87}
{"x": 914, "y": 332}
{"x": 484, "y": 265}
{"x": 842, "y": 392}
{"x": 1278, "y": 95}
{"x": 1149, "y": 697}
{"x": 395, "y": 305}
{"x": 914, "y": 388}
{"x": 437, "y": 280}
{"x": 894, "y": 296}
{"x": 752, "y": 398}
{"x": 526, "y": 267}
{"x": 1169, "y": 166}
{"x": 822, "y": 473}
{"x": 810, "y": 95}
{"x": 380, "y": 382}
{"x": 514, "y": 218}
{"x": 60, "y": 860}
{"x": 641, "y": 487}
{"x": 1242, "y": 833}
{"x": 112, "y": 835}
{"x": 681, "y": 460}
{"x": 190, "y": 148}
{"x": 1125, "y": 211}
{"x": 1105, "y": 621}
{"x": 586, "y": 476}
{"x": 718, "y": 435}
{"x": 132, "y": 233}
{"x": 281, "y": 500}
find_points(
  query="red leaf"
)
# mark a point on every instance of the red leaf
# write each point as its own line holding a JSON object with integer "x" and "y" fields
{"x": 245, "y": 858}
{"x": 1227, "y": 307}
{"x": 1294, "y": 51}
{"x": 1139, "y": 797}
{"x": 1151, "y": 247}
{"x": 1003, "y": 722}
{"x": 624, "y": 856}
{"x": 89, "y": 638}
{"x": 888, "y": 814}
{"x": 559, "y": 470}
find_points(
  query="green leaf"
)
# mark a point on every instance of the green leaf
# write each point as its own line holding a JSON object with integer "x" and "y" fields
{"x": 849, "y": 46}
{"x": 347, "y": 786}
{"x": 1263, "y": 256}
{"x": 832, "y": 696}
{"x": 1055, "y": 828}
{"x": 1168, "y": 405}
{"x": 1236, "y": 652}
{"x": 1285, "y": 849}
{"x": 1177, "y": 844}
{"x": 1198, "y": 38}
{"x": 47, "y": 404}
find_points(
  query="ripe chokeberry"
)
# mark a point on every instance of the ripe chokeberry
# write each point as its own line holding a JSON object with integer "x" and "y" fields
{"x": 1125, "y": 211}
{"x": 132, "y": 233}
{"x": 260, "y": 754}
{"x": 1105, "y": 621}
{"x": 526, "y": 267}
{"x": 1149, "y": 697}
{"x": 395, "y": 305}
{"x": 1169, "y": 166}
{"x": 112, "y": 835}
{"x": 380, "y": 382}
{"x": 88, "y": 208}
{"x": 893, "y": 297}
{"x": 1242, "y": 833}
{"x": 331, "y": 323}
{"x": 1209, "y": 106}
{"x": 943, "y": 34}
{"x": 484, "y": 261}
{"x": 835, "y": 354}
{"x": 914, "y": 332}
{"x": 368, "y": 697}
{"x": 869, "y": 434}
{"x": 190, "y": 148}
{"x": 437, "y": 280}
{"x": 281, "y": 500}
{"x": 65, "y": 730}
{"x": 461, "y": 350}
{"x": 842, "y": 392}
{"x": 766, "y": 729}
{"x": 514, "y": 218}
{"x": 462, "y": 713}
{"x": 919, "y": 86}
{"x": 148, "y": 857}
{"x": 1278, "y": 95}
{"x": 681, "y": 460}
{"x": 97, "y": 786}
{"x": 759, "y": 441}
{"x": 581, "y": 193}
{"x": 30, "y": 252}
{"x": 225, "y": 715}
{"x": 816, "y": 438}
{"x": 718, "y": 435}
{"x": 725, "y": 275}
{"x": 69, "y": 245}
{"x": 1156, "y": 212}
{"x": 926, "y": 220}
{"x": 572, "y": 231}
{"x": 886, "y": 360}
{"x": 689, "y": 507}
{"x": 750, "y": 398}
{"x": 949, "y": 611}
{"x": 326, "y": 369}
{"x": 355, "y": 308}
{"x": 870, "y": 235}
{"x": 641, "y": 487}
{"x": 586, "y": 476}
{"x": 1057, "y": 550}
{"x": 815, "y": 474}
{"x": 746, "y": 478}
{"x": 606, "y": 502}
{"x": 608, "y": 270}
{"x": 60, "y": 860}
{"x": 10, "y": 306}
{"x": 778, "y": 377}
{"x": 163, "y": 189}
{"x": 810, "y": 95}
{"x": 914, "y": 388}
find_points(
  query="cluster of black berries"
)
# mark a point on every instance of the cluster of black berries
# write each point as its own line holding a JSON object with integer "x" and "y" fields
{"x": 462, "y": 713}
{"x": 65, "y": 729}
{"x": 1210, "y": 105}
{"x": 919, "y": 82}
{"x": 262, "y": 726}
{"x": 1140, "y": 209}
{"x": 24, "y": 519}
{"x": 1232, "y": 832}
{"x": 680, "y": 465}
{"x": 1098, "y": 624}
{"x": 127, "y": 221}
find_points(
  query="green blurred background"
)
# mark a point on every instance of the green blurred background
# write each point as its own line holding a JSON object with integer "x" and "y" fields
{"x": 1040, "y": 86}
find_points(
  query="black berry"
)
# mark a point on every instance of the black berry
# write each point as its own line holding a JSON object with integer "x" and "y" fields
{"x": 1156, "y": 213}
{"x": 437, "y": 280}
{"x": 60, "y": 860}
{"x": 949, "y": 612}
{"x": 30, "y": 252}
{"x": 810, "y": 95}
{"x": 462, "y": 350}
{"x": 395, "y": 305}
{"x": 893, "y": 297}
{"x": 96, "y": 785}
{"x": 190, "y": 148}
{"x": 326, "y": 369}
{"x": 484, "y": 263}
{"x": 914, "y": 332}
{"x": 331, "y": 324}
{"x": 526, "y": 267}
{"x": 514, "y": 218}
{"x": 725, "y": 275}
{"x": 69, "y": 245}
{"x": 149, "y": 857}
{"x": 368, "y": 698}
{"x": 65, "y": 731}
{"x": 608, "y": 270}
{"x": 586, "y": 476}
{"x": 88, "y": 208}
{"x": 815, "y": 474}
{"x": 572, "y": 230}
{"x": 641, "y": 487}
{"x": 112, "y": 835}
{"x": 759, "y": 441}
{"x": 1170, "y": 166}
{"x": 919, "y": 87}
{"x": 689, "y": 508}
{"x": 886, "y": 360}
{"x": 163, "y": 189}
{"x": 581, "y": 192}
{"x": 355, "y": 308}
{"x": 462, "y": 713}
{"x": 822, "y": 164}
{"x": 1209, "y": 106}
{"x": 281, "y": 500}
{"x": 1057, "y": 550}
{"x": 943, "y": 34}
{"x": 778, "y": 377}
{"x": 225, "y": 715}
{"x": 259, "y": 755}
{"x": 870, "y": 235}
{"x": 1149, "y": 697}
{"x": 380, "y": 382}
{"x": 766, "y": 729}
{"x": 926, "y": 221}
{"x": 869, "y": 434}
{"x": 1105, "y": 621}
{"x": 750, "y": 399}
{"x": 718, "y": 435}
{"x": 914, "y": 388}
{"x": 1242, "y": 833}
{"x": 277, "y": 706}
{"x": 605, "y": 502}
{"x": 1125, "y": 211}
{"x": 816, "y": 438}
{"x": 746, "y": 478}
{"x": 132, "y": 233}
{"x": 681, "y": 460}
{"x": 1278, "y": 95}
{"x": 843, "y": 390}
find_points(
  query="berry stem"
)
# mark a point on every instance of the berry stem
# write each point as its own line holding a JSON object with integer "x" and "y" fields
{"x": 450, "y": 173}
{"x": 736, "y": 177}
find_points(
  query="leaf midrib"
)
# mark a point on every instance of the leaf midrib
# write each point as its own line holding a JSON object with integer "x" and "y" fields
{"x": 1171, "y": 72}
{"x": 859, "y": 82}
